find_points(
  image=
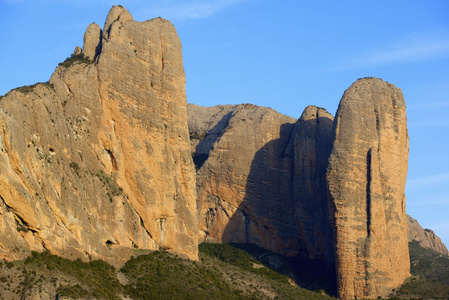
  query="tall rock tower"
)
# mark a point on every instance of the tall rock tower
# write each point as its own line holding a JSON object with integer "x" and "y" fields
{"x": 366, "y": 181}
{"x": 96, "y": 162}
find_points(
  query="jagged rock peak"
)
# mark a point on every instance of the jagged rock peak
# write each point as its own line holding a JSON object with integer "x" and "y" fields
{"x": 92, "y": 41}
{"x": 117, "y": 13}
{"x": 96, "y": 162}
{"x": 77, "y": 50}
{"x": 315, "y": 112}
{"x": 366, "y": 181}
{"x": 425, "y": 237}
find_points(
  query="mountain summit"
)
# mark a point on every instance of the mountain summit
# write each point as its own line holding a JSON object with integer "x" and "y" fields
{"x": 96, "y": 162}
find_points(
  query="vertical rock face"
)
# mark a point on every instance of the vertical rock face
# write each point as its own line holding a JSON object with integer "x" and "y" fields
{"x": 97, "y": 161}
{"x": 312, "y": 141}
{"x": 92, "y": 41}
{"x": 244, "y": 183}
{"x": 425, "y": 237}
{"x": 366, "y": 181}
{"x": 261, "y": 179}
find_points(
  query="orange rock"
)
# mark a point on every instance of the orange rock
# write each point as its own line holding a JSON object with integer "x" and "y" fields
{"x": 366, "y": 181}
{"x": 97, "y": 162}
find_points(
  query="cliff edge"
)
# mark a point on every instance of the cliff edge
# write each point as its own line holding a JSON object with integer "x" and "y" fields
{"x": 96, "y": 163}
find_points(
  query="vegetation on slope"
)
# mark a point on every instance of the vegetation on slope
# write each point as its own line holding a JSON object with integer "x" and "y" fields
{"x": 430, "y": 271}
{"x": 223, "y": 272}
{"x": 75, "y": 58}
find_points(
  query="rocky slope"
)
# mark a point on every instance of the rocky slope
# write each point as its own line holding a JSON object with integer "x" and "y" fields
{"x": 425, "y": 237}
{"x": 97, "y": 162}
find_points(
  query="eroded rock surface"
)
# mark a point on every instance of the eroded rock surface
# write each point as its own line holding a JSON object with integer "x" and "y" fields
{"x": 97, "y": 163}
{"x": 425, "y": 237}
{"x": 366, "y": 181}
{"x": 312, "y": 142}
{"x": 261, "y": 177}
{"x": 243, "y": 178}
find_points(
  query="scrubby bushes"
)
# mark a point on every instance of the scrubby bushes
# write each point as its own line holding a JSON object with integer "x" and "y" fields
{"x": 75, "y": 58}
{"x": 160, "y": 275}
{"x": 98, "y": 276}
{"x": 430, "y": 271}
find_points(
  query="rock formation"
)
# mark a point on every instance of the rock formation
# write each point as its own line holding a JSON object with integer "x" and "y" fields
{"x": 425, "y": 237}
{"x": 97, "y": 161}
{"x": 243, "y": 177}
{"x": 366, "y": 181}
{"x": 312, "y": 142}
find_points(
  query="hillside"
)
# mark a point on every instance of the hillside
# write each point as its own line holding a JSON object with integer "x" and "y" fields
{"x": 430, "y": 270}
{"x": 223, "y": 272}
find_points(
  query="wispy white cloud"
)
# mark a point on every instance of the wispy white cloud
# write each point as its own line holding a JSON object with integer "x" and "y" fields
{"x": 412, "y": 49}
{"x": 429, "y": 181}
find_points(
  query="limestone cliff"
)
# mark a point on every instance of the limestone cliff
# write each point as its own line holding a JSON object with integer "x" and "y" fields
{"x": 96, "y": 162}
{"x": 312, "y": 142}
{"x": 366, "y": 181}
{"x": 425, "y": 237}
{"x": 244, "y": 193}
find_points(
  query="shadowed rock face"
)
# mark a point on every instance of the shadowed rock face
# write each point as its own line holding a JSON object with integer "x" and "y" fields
{"x": 261, "y": 178}
{"x": 312, "y": 141}
{"x": 243, "y": 179}
{"x": 425, "y": 237}
{"x": 97, "y": 162}
{"x": 366, "y": 181}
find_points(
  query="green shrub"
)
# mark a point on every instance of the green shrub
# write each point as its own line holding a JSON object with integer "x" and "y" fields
{"x": 75, "y": 58}
{"x": 110, "y": 183}
{"x": 75, "y": 167}
{"x": 98, "y": 276}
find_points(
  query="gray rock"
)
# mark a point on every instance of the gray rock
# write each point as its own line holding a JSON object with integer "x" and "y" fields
{"x": 92, "y": 41}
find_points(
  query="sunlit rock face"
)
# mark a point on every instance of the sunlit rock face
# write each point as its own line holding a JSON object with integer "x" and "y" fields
{"x": 243, "y": 177}
{"x": 366, "y": 181}
{"x": 96, "y": 163}
{"x": 425, "y": 237}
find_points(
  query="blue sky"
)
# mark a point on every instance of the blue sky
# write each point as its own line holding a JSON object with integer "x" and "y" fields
{"x": 281, "y": 54}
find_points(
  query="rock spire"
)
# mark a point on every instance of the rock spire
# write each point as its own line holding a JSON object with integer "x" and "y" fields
{"x": 366, "y": 181}
{"x": 96, "y": 163}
